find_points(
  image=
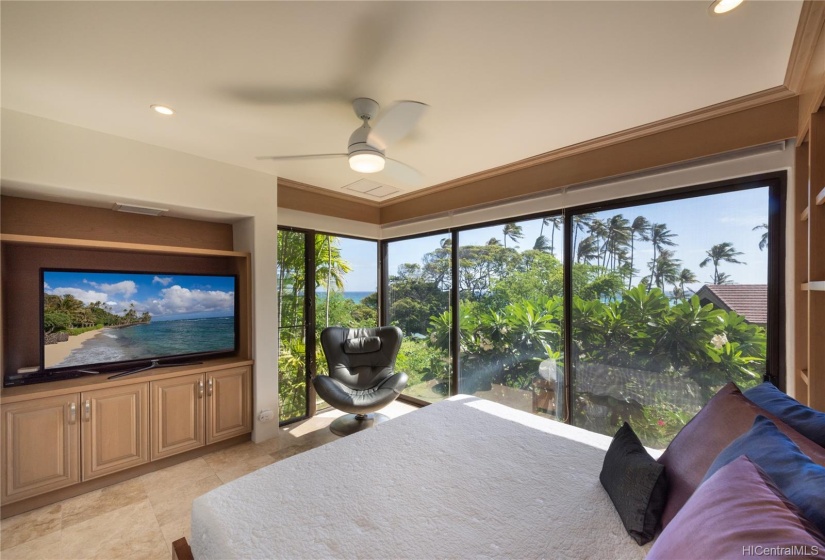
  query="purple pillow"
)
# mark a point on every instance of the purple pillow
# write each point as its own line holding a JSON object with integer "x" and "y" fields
{"x": 801, "y": 480}
{"x": 738, "y": 513}
{"x": 725, "y": 417}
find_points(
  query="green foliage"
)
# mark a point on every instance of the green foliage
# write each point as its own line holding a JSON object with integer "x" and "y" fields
{"x": 69, "y": 314}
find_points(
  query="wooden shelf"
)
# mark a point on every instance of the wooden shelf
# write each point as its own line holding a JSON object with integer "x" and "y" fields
{"x": 803, "y": 217}
{"x": 818, "y": 286}
{"x": 820, "y": 198}
{"x": 114, "y": 246}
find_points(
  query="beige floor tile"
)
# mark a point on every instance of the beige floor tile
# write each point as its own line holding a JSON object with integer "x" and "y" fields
{"x": 226, "y": 458}
{"x": 43, "y": 548}
{"x": 176, "y": 503}
{"x": 177, "y": 475}
{"x": 29, "y": 526}
{"x": 242, "y": 467}
{"x": 130, "y": 532}
{"x": 176, "y": 529}
{"x": 100, "y": 502}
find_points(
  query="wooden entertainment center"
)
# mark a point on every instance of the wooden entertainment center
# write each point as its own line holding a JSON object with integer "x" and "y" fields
{"x": 64, "y": 438}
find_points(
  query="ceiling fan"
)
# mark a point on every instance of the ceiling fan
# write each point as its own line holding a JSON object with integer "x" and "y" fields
{"x": 367, "y": 145}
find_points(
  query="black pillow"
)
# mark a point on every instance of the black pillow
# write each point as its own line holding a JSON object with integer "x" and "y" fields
{"x": 636, "y": 484}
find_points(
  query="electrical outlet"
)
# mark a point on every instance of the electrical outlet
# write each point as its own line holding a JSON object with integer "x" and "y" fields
{"x": 266, "y": 415}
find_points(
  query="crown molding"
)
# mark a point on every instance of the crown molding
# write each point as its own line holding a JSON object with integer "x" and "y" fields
{"x": 811, "y": 22}
{"x": 308, "y": 198}
{"x": 693, "y": 117}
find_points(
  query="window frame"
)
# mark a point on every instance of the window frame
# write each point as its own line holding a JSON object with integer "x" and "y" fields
{"x": 776, "y": 181}
{"x": 309, "y": 310}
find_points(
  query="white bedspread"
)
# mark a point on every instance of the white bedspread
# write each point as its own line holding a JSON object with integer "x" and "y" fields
{"x": 464, "y": 478}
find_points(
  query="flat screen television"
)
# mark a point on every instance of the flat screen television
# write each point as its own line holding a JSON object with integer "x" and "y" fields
{"x": 96, "y": 322}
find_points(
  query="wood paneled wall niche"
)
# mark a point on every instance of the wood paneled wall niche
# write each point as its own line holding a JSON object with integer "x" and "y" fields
{"x": 26, "y": 216}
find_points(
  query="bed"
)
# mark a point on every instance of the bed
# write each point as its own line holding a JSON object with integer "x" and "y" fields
{"x": 461, "y": 478}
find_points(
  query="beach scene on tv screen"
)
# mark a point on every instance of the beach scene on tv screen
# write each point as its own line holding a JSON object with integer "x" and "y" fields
{"x": 104, "y": 317}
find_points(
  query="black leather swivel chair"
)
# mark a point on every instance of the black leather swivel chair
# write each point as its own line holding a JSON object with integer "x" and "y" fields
{"x": 361, "y": 376}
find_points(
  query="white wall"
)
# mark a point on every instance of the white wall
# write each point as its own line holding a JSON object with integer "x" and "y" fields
{"x": 44, "y": 158}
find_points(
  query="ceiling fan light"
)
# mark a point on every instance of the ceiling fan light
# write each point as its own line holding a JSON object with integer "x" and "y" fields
{"x": 724, "y": 6}
{"x": 366, "y": 162}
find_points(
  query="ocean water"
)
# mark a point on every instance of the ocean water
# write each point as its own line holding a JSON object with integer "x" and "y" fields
{"x": 354, "y": 296}
{"x": 159, "y": 338}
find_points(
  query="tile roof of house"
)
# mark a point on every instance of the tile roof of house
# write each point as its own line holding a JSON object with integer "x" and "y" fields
{"x": 748, "y": 300}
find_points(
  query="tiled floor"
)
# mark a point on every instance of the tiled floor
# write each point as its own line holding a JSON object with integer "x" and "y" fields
{"x": 139, "y": 519}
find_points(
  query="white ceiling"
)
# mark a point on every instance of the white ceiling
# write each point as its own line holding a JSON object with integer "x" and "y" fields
{"x": 504, "y": 80}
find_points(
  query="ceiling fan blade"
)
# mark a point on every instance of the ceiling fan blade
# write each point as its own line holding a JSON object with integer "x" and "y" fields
{"x": 402, "y": 172}
{"x": 397, "y": 122}
{"x": 305, "y": 156}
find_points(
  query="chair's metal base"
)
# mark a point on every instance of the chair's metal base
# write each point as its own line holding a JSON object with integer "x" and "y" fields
{"x": 351, "y": 423}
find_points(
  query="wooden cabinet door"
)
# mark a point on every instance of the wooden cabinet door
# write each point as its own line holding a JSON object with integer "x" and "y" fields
{"x": 115, "y": 429}
{"x": 177, "y": 415}
{"x": 41, "y": 442}
{"x": 229, "y": 403}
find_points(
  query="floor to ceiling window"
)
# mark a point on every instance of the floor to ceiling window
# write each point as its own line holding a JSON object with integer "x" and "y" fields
{"x": 341, "y": 289}
{"x": 666, "y": 298}
{"x": 419, "y": 282}
{"x": 292, "y": 324}
{"x": 669, "y": 302}
{"x": 511, "y": 313}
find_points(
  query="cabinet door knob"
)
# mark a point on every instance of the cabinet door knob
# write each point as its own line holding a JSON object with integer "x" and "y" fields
{"x": 209, "y": 390}
{"x": 87, "y": 410}
{"x": 200, "y": 389}
{"x": 72, "y": 413}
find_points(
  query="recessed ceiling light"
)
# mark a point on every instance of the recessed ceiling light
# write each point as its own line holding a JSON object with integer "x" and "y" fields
{"x": 164, "y": 110}
{"x": 724, "y": 6}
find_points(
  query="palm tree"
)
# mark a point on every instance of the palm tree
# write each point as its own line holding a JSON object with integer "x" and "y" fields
{"x": 555, "y": 222}
{"x": 640, "y": 226}
{"x": 617, "y": 234}
{"x": 686, "y": 276}
{"x": 588, "y": 249}
{"x": 493, "y": 241}
{"x": 665, "y": 269}
{"x": 580, "y": 223}
{"x": 660, "y": 237}
{"x": 541, "y": 244}
{"x": 330, "y": 268}
{"x": 763, "y": 242}
{"x": 513, "y": 231}
{"x": 723, "y": 252}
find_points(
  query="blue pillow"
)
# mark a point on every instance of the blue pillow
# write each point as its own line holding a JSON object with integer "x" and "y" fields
{"x": 807, "y": 421}
{"x": 800, "y": 479}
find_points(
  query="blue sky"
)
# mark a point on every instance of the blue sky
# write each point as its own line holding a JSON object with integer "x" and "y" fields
{"x": 164, "y": 296}
{"x": 699, "y": 223}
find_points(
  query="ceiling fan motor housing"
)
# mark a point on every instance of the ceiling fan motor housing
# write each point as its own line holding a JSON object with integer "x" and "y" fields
{"x": 358, "y": 142}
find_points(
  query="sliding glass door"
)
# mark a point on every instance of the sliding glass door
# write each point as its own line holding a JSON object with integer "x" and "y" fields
{"x": 419, "y": 283}
{"x": 669, "y": 302}
{"x": 511, "y": 312}
{"x": 340, "y": 290}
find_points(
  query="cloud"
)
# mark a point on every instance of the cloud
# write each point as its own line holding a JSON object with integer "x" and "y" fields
{"x": 178, "y": 300}
{"x": 46, "y": 286}
{"x": 127, "y": 288}
{"x": 86, "y": 296}
{"x": 159, "y": 280}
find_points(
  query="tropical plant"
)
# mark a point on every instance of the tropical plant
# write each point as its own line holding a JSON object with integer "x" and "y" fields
{"x": 512, "y": 231}
{"x": 763, "y": 241}
{"x": 640, "y": 227}
{"x": 722, "y": 252}
{"x": 660, "y": 237}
